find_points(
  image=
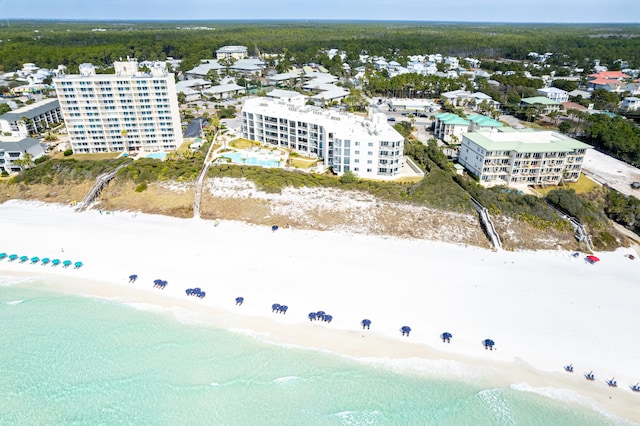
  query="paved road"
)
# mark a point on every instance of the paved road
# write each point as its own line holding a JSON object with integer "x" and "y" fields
{"x": 615, "y": 173}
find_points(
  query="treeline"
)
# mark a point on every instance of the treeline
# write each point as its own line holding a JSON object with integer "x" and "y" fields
{"x": 50, "y": 43}
{"x": 616, "y": 136}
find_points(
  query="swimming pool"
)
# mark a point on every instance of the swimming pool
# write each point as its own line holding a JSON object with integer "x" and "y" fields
{"x": 157, "y": 155}
{"x": 239, "y": 158}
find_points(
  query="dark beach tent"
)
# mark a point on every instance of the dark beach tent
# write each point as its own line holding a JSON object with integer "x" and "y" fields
{"x": 274, "y": 228}
{"x": 45, "y": 260}
{"x": 55, "y": 262}
{"x": 35, "y": 259}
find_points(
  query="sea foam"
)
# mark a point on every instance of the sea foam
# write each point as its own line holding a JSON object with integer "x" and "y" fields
{"x": 565, "y": 396}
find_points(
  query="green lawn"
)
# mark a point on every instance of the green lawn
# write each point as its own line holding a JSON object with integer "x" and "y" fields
{"x": 88, "y": 157}
{"x": 242, "y": 143}
{"x": 584, "y": 184}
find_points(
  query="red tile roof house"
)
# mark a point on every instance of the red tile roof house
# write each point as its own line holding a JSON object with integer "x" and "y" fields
{"x": 611, "y": 81}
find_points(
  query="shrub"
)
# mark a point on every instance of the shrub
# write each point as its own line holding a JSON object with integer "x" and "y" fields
{"x": 141, "y": 187}
{"x": 67, "y": 152}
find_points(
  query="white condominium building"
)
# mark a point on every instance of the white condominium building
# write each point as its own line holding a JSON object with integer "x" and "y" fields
{"x": 126, "y": 111}
{"x": 505, "y": 156}
{"x": 369, "y": 147}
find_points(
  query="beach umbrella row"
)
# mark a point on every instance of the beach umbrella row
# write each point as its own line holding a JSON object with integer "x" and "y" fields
{"x": 320, "y": 316}
{"x": 43, "y": 261}
{"x": 160, "y": 283}
{"x": 197, "y": 292}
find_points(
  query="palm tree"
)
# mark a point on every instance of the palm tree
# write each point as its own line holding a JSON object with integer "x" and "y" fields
{"x": 25, "y": 161}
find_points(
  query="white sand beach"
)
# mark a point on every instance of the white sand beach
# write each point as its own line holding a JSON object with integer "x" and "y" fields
{"x": 543, "y": 309}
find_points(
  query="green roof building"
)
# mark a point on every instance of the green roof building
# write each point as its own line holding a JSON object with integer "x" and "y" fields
{"x": 519, "y": 158}
{"x": 542, "y": 103}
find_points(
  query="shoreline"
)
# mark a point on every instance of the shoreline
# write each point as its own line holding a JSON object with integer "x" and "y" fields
{"x": 234, "y": 259}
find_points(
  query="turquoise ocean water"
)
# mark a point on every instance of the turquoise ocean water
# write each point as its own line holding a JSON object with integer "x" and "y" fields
{"x": 69, "y": 360}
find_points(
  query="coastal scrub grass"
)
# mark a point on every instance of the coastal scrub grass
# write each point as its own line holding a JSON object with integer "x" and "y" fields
{"x": 61, "y": 193}
{"x": 156, "y": 199}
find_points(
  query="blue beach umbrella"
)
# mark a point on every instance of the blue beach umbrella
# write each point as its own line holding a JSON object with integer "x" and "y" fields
{"x": 35, "y": 259}
{"x": 55, "y": 262}
{"x": 312, "y": 316}
{"x": 488, "y": 343}
{"x": 77, "y": 264}
{"x": 45, "y": 260}
{"x": 13, "y": 256}
{"x": 239, "y": 300}
{"x": 133, "y": 277}
{"x": 328, "y": 318}
{"x": 3, "y": 255}
{"x": 275, "y": 307}
{"x": 446, "y": 336}
{"x": 405, "y": 330}
{"x": 24, "y": 258}
{"x": 366, "y": 323}
{"x": 66, "y": 263}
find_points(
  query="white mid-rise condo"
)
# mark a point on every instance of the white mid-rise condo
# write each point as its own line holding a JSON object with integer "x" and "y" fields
{"x": 367, "y": 146}
{"x": 504, "y": 156}
{"x": 127, "y": 111}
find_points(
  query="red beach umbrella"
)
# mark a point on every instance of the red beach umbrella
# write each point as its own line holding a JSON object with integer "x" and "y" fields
{"x": 593, "y": 258}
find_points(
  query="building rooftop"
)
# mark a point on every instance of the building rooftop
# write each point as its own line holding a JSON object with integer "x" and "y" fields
{"x": 450, "y": 118}
{"x": 284, "y": 94}
{"x": 524, "y": 141}
{"x": 9, "y": 143}
{"x": 31, "y": 111}
{"x": 484, "y": 121}
{"x": 540, "y": 100}
{"x": 232, "y": 49}
{"x": 349, "y": 125}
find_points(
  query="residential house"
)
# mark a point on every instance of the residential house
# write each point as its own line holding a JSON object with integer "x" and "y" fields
{"x": 543, "y": 104}
{"x": 554, "y": 94}
{"x": 630, "y": 103}
{"x": 612, "y": 81}
{"x": 232, "y": 53}
{"x": 225, "y": 91}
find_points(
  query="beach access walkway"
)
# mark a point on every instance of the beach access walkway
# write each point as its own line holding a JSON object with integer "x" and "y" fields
{"x": 208, "y": 159}
{"x": 101, "y": 182}
{"x": 487, "y": 225}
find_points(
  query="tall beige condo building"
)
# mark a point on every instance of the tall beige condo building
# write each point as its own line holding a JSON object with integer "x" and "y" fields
{"x": 128, "y": 111}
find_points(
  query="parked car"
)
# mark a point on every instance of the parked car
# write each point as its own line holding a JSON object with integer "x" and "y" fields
{"x": 635, "y": 185}
{"x": 391, "y": 119}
